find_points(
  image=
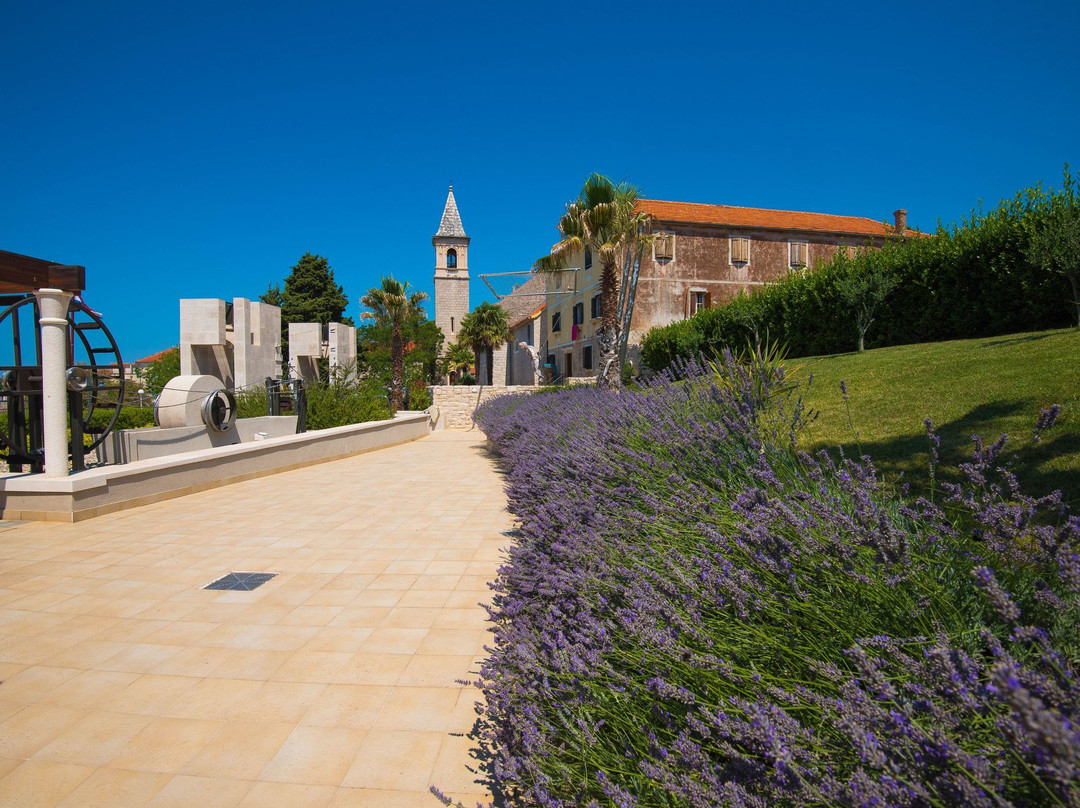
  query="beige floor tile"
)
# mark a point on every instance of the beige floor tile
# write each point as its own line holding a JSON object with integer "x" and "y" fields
{"x": 437, "y": 670}
{"x": 112, "y": 652}
{"x": 212, "y": 699}
{"x": 36, "y": 682}
{"x": 150, "y": 694}
{"x": 349, "y": 639}
{"x": 94, "y": 739}
{"x": 165, "y": 745}
{"x": 311, "y": 666}
{"x": 116, "y": 788}
{"x": 40, "y": 783}
{"x": 457, "y": 768}
{"x": 184, "y": 791}
{"x": 250, "y": 663}
{"x": 279, "y": 702}
{"x": 395, "y": 760}
{"x": 383, "y": 798}
{"x": 394, "y": 640}
{"x": 239, "y": 750}
{"x": 288, "y": 795}
{"x": 33, "y": 728}
{"x": 426, "y": 709}
{"x": 349, "y": 706}
{"x": 315, "y": 756}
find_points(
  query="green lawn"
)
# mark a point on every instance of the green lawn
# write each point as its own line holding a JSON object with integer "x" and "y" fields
{"x": 971, "y": 387}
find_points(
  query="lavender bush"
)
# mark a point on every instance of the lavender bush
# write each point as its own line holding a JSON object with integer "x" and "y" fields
{"x": 695, "y": 613}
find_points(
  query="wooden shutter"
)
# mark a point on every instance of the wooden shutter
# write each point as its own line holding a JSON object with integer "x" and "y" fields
{"x": 740, "y": 251}
{"x": 664, "y": 247}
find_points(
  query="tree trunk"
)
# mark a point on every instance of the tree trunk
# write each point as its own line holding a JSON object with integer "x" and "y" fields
{"x": 397, "y": 362}
{"x": 490, "y": 366}
{"x": 608, "y": 374}
{"x": 476, "y": 359}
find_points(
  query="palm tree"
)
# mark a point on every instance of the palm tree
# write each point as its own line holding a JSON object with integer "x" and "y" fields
{"x": 484, "y": 329}
{"x": 604, "y": 218}
{"x": 391, "y": 302}
{"x": 459, "y": 357}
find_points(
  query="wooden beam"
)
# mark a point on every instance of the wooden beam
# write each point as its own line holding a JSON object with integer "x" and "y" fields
{"x": 21, "y": 273}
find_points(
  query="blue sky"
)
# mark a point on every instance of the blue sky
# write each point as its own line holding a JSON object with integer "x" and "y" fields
{"x": 199, "y": 149}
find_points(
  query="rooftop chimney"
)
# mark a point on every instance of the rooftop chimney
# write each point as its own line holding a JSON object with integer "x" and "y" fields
{"x": 901, "y": 221}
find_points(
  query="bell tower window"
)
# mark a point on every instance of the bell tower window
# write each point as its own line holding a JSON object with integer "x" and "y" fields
{"x": 451, "y": 258}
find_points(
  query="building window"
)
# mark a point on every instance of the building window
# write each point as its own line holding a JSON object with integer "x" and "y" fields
{"x": 697, "y": 300}
{"x": 588, "y": 259}
{"x": 740, "y": 251}
{"x": 579, "y": 313}
{"x": 529, "y": 333}
{"x": 798, "y": 252}
{"x": 451, "y": 258}
{"x": 596, "y": 307}
{"x": 664, "y": 247}
{"x": 451, "y": 325}
{"x": 586, "y": 357}
{"x": 556, "y": 322}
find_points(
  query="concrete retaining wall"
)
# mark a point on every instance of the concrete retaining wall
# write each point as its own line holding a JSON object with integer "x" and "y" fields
{"x": 102, "y": 490}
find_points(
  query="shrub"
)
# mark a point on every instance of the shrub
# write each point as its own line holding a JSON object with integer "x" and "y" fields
{"x": 694, "y": 613}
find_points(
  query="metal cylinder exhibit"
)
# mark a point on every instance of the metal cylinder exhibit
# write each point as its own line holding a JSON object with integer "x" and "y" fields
{"x": 195, "y": 401}
{"x": 53, "y": 305}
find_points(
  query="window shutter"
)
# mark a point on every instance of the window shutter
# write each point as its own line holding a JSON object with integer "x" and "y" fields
{"x": 740, "y": 251}
{"x": 664, "y": 247}
{"x": 708, "y": 300}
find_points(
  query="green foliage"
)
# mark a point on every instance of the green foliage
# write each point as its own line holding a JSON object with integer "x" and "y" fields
{"x": 161, "y": 370}
{"x": 130, "y": 418}
{"x": 341, "y": 403}
{"x": 1055, "y": 240}
{"x": 457, "y": 360}
{"x": 310, "y": 295}
{"x": 975, "y": 279}
{"x": 484, "y": 329}
{"x": 338, "y": 402}
{"x": 393, "y": 307}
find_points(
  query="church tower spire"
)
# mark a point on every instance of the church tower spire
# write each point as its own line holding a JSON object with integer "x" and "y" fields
{"x": 451, "y": 270}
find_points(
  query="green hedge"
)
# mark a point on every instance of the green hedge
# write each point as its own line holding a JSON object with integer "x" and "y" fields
{"x": 972, "y": 280}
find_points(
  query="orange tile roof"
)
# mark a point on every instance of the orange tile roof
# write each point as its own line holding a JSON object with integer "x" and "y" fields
{"x": 697, "y": 213}
{"x": 153, "y": 357}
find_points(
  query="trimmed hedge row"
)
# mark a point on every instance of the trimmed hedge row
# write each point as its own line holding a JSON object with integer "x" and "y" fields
{"x": 973, "y": 280}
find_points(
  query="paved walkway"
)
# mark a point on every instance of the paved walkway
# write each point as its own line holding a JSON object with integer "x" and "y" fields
{"x": 125, "y": 683}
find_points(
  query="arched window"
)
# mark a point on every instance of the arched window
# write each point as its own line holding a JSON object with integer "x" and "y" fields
{"x": 588, "y": 259}
{"x": 451, "y": 258}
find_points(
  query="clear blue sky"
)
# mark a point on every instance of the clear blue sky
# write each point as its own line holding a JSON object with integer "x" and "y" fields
{"x": 198, "y": 149}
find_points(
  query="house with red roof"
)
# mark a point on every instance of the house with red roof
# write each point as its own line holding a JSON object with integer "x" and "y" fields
{"x": 703, "y": 256}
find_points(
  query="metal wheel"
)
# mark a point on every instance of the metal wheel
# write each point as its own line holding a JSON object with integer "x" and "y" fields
{"x": 95, "y": 380}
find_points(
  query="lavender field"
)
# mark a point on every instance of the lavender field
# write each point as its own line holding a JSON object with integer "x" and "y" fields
{"x": 694, "y": 613}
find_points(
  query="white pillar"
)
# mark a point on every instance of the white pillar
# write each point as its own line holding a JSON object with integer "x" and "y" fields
{"x": 53, "y": 304}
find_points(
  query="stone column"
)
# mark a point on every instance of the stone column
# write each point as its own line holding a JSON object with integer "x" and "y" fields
{"x": 53, "y": 304}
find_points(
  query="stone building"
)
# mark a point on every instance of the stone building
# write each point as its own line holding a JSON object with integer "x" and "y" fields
{"x": 703, "y": 256}
{"x": 451, "y": 270}
{"x": 512, "y": 364}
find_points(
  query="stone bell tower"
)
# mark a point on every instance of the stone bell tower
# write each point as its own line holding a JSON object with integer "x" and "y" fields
{"x": 451, "y": 270}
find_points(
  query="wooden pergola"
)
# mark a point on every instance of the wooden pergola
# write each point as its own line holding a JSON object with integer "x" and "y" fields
{"x": 21, "y": 274}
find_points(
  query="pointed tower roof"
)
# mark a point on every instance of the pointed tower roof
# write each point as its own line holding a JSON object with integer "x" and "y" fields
{"x": 451, "y": 220}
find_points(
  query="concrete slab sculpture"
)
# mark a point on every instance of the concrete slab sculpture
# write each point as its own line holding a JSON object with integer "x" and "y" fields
{"x": 237, "y": 342}
{"x": 310, "y": 342}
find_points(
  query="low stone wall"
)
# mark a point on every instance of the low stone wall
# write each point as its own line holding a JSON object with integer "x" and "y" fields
{"x": 456, "y": 403}
{"x": 106, "y": 489}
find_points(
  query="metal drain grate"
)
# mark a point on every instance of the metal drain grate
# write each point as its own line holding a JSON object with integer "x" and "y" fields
{"x": 242, "y": 581}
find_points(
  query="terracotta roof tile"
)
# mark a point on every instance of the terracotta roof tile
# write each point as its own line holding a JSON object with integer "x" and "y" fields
{"x": 731, "y": 216}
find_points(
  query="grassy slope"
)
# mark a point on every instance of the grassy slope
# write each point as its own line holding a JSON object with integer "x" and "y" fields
{"x": 970, "y": 387}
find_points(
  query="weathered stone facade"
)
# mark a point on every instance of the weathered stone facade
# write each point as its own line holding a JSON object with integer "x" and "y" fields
{"x": 705, "y": 256}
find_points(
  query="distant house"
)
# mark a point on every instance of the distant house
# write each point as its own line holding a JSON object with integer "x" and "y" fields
{"x": 524, "y": 307}
{"x": 703, "y": 256}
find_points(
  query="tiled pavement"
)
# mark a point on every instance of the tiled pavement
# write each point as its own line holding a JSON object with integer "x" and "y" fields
{"x": 125, "y": 683}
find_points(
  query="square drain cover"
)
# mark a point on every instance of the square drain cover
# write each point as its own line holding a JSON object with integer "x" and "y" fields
{"x": 243, "y": 581}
